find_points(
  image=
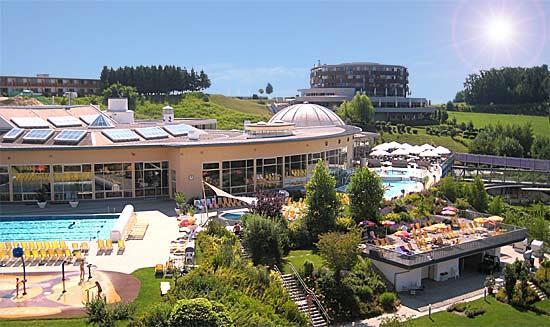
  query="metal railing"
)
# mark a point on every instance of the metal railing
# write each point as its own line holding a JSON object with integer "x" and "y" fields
{"x": 511, "y": 234}
{"x": 316, "y": 300}
{"x": 512, "y": 162}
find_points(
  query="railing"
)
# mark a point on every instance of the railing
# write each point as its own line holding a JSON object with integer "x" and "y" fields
{"x": 307, "y": 290}
{"x": 531, "y": 164}
{"x": 511, "y": 235}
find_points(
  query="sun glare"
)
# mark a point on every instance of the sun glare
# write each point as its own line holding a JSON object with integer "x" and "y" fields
{"x": 499, "y": 30}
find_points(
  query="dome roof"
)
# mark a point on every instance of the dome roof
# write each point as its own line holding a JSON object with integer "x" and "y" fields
{"x": 307, "y": 115}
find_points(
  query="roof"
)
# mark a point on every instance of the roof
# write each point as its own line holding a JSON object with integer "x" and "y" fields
{"x": 307, "y": 115}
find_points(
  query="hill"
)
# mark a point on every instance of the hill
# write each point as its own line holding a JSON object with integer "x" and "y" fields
{"x": 245, "y": 106}
{"x": 540, "y": 124}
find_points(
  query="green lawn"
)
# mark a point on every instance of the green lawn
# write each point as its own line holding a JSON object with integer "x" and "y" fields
{"x": 422, "y": 137}
{"x": 540, "y": 124}
{"x": 544, "y": 305}
{"x": 298, "y": 257}
{"x": 245, "y": 106}
{"x": 496, "y": 314}
{"x": 149, "y": 294}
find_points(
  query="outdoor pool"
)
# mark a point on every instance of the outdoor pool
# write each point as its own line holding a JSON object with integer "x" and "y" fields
{"x": 393, "y": 188}
{"x": 234, "y": 214}
{"x": 44, "y": 228}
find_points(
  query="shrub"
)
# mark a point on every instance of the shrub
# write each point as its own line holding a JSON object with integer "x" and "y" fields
{"x": 458, "y": 307}
{"x": 387, "y": 300}
{"x": 123, "y": 310}
{"x": 462, "y": 204}
{"x": 395, "y": 321}
{"x": 264, "y": 239}
{"x": 158, "y": 316}
{"x": 199, "y": 312}
{"x": 308, "y": 268}
{"x": 472, "y": 312}
{"x": 415, "y": 131}
{"x": 98, "y": 313}
{"x": 344, "y": 224}
{"x": 501, "y": 295}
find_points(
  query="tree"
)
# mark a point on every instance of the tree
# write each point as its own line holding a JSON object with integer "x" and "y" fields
{"x": 365, "y": 192}
{"x": 340, "y": 251}
{"x": 508, "y": 147}
{"x": 358, "y": 111}
{"x": 199, "y": 312}
{"x": 118, "y": 90}
{"x": 477, "y": 196}
{"x": 269, "y": 88}
{"x": 268, "y": 203}
{"x": 450, "y": 105}
{"x": 265, "y": 239}
{"x": 261, "y": 91}
{"x": 496, "y": 206}
{"x": 459, "y": 97}
{"x": 510, "y": 279}
{"x": 450, "y": 188}
{"x": 541, "y": 148}
{"x": 322, "y": 202}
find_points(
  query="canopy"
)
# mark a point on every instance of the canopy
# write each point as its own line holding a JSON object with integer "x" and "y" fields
{"x": 367, "y": 223}
{"x": 450, "y": 208}
{"x": 429, "y": 153}
{"x": 400, "y": 152}
{"x": 415, "y": 149}
{"x": 427, "y": 147}
{"x": 495, "y": 218}
{"x": 479, "y": 220}
{"x": 246, "y": 199}
{"x": 387, "y": 222}
{"x": 448, "y": 212}
{"x": 442, "y": 150}
{"x": 379, "y": 153}
{"x": 405, "y": 146}
{"x": 394, "y": 145}
{"x": 402, "y": 233}
{"x": 383, "y": 146}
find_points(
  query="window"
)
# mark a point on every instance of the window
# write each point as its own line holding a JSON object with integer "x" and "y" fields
{"x": 72, "y": 182}
{"x": 295, "y": 170}
{"x": 151, "y": 178}
{"x": 269, "y": 173}
{"x": 238, "y": 176}
{"x": 211, "y": 175}
{"x": 4, "y": 183}
{"x": 113, "y": 180}
{"x": 29, "y": 180}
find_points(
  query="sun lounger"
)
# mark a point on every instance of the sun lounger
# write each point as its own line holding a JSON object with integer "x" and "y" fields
{"x": 63, "y": 245}
{"x": 43, "y": 254}
{"x": 169, "y": 271}
{"x": 78, "y": 256}
{"x": 121, "y": 247}
{"x": 75, "y": 246}
{"x": 164, "y": 288}
{"x": 109, "y": 246}
{"x": 51, "y": 254}
{"x": 159, "y": 270}
{"x": 84, "y": 247}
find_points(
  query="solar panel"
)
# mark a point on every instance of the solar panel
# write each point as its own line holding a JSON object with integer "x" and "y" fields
{"x": 88, "y": 119}
{"x": 120, "y": 135}
{"x": 13, "y": 134}
{"x": 70, "y": 136}
{"x": 38, "y": 135}
{"x": 30, "y": 122}
{"x": 179, "y": 130}
{"x": 64, "y": 121}
{"x": 149, "y": 133}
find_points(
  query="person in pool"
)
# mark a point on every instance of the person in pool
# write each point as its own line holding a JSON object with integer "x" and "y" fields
{"x": 72, "y": 225}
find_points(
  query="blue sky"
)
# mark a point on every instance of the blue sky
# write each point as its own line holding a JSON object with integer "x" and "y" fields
{"x": 243, "y": 45}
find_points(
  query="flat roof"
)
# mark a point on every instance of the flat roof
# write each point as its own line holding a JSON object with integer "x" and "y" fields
{"x": 77, "y": 78}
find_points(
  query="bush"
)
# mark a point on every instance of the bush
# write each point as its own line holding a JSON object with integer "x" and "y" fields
{"x": 395, "y": 321}
{"x": 265, "y": 239}
{"x": 123, "y": 310}
{"x": 308, "y": 268}
{"x": 98, "y": 313}
{"x": 458, "y": 307}
{"x": 158, "y": 316}
{"x": 387, "y": 300}
{"x": 344, "y": 224}
{"x": 472, "y": 312}
{"x": 199, "y": 312}
{"x": 415, "y": 131}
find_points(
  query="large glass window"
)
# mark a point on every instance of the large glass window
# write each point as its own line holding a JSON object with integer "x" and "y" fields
{"x": 173, "y": 180}
{"x": 151, "y": 178}
{"x": 4, "y": 183}
{"x": 113, "y": 180}
{"x": 211, "y": 175}
{"x": 30, "y": 180}
{"x": 71, "y": 182}
{"x": 295, "y": 170}
{"x": 269, "y": 173}
{"x": 238, "y": 176}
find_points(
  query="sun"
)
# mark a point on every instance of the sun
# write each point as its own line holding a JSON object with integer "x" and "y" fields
{"x": 500, "y": 30}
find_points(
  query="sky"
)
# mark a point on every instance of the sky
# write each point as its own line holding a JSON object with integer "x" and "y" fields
{"x": 243, "y": 45}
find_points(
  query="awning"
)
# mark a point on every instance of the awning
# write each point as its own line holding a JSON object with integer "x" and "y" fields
{"x": 246, "y": 199}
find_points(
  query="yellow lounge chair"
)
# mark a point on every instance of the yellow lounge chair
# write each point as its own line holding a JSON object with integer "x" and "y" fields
{"x": 43, "y": 254}
{"x": 51, "y": 254}
{"x": 159, "y": 270}
{"x": 68, "y": 254}
{"x": 109, "y": 245}
{"x": 75, "y": 246}
{"x": 101, "y": 246}
{"x": 35, "y": 254}
{"x": 121, "y": 246}
{"x": 4, "y": 256}
{"x": 27, "y": 254}
{"x": 78, "y": 256}
{"x": 63, "y": 245}
{"x": 84, "y": 247}
{"x": 60, "y": 253}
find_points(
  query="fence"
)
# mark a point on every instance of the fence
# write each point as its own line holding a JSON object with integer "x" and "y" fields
{"x": 511, "y": 162}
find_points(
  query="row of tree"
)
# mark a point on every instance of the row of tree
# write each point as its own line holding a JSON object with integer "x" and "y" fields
{"x": 159, "y": 79}
{"x": 507, "y": 85}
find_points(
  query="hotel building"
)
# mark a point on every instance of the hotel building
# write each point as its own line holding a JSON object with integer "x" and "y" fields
{"x": 81, "y": 152}
{"x": 48, "y": 86}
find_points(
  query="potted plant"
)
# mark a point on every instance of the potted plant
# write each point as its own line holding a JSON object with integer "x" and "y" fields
{"x": 179, "y": 197}
{"x": 490, "y": 284}
{"x": 73, "y": 202}
{"x": 41, "y": 198}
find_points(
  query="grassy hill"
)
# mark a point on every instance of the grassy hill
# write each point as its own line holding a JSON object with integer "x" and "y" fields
{"x": 244, "y": 106}
{"x": 454, "y": 145}
{"x": 540, "y": 124}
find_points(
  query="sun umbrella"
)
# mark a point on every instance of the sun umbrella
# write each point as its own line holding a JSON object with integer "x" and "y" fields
{"x": 379, "y": 153}
{"x": 450, "y": 208}
{"x": 367, "y": 223}
{"x": 448, "y": 212}
{"x": 427, "y": 147}
{"x": 479, "y": 220}
{"x": 442, "y": 150}
{"x": 394, "y": 145}
{"x": 405, "y": 146}
{"x": 383, "y": 147}
{"x": 402, "y": 233}
{"x": 495, "y": 218}
{"x": 429, "y": 153}
{"x": 416, "y": 149}
{"x": 400, "y": 152}
{"x": 440, "y": 225}
{"x": 387, "y": 223}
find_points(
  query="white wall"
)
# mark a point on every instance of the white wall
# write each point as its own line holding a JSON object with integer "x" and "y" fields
{"x": 401, "y": 278}
{"x": 449, "y": 266}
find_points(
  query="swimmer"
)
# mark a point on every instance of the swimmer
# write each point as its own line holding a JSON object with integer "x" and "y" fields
{"x": 72, "y": 225}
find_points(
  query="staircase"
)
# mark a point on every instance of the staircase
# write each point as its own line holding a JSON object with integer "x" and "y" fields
{"x": 298, "y": 293}
{"x": 540, "y": 294}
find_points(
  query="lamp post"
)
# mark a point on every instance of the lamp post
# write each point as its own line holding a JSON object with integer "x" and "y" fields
{"x": 89, "y": 271}
{"x": 63, "y": 275}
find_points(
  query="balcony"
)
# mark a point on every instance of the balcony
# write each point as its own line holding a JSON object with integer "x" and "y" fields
{"x": 508, "y": 234}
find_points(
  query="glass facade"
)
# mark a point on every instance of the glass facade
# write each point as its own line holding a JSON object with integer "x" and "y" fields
{"x": 296, "y": 170}
{"x": 28, "y": 180}
{"x": 113, "y": 180}
{"x": 269, "y": 173}
{"x": 151, "y": 178}
{"x": 238, "y": 176}
{"x": 211, "y": 175}
{"x": 4, "y": 183}
{"x": 72, "y": 182}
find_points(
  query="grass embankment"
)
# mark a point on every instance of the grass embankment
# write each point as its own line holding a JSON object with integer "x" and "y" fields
{"x": 149, "y": 295}
{"x": 540, "y": 124}
{"x": 496, "y": 314}
{"x": 418, "y": 139}
{"x": 244, "y": 106}
{"x": 298, "y": 257}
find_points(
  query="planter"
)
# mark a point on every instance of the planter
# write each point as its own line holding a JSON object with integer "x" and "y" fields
{"x": 41, "y": 204}
{"x": 178, "y": 212}
{"x": 73, "y": 204}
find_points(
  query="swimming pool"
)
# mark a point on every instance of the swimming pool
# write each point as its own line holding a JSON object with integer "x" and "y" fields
{"x": 233, "y": 215}
{"x": 44, "y": 228}
{"x": 393, "y": 188}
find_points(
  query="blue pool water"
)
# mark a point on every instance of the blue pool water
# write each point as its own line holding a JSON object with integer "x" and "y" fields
{"x": 233, "y": 215}
{"x": 393, "y": 188}
{"x": 44, "y": 228}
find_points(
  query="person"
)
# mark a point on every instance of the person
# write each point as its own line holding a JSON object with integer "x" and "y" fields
{"x": 99, "y": 289}
{"x": 237, "y": 229}
{"x": 404, "y": 228}
{"x": 72, "y": 225}
{"x": 82, "y": 271}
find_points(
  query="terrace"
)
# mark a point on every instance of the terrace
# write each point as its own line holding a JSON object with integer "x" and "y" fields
{"x": 441, "y": 242}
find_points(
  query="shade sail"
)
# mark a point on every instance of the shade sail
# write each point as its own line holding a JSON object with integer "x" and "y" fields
{"x": 246, "y": 199}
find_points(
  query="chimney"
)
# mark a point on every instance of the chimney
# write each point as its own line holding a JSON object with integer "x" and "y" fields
{"x": 167, "y": 115}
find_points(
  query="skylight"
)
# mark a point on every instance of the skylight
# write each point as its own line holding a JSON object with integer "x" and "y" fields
{"x": 70, "y": 136}
{"x": 38, "y": 135}
{"x": 179, "y": 130}
{"x": 30, "y": 122}
{"x": 64, "y": 121}
{"x": 120, "y": 135}
{"x": 13, "y": 134}
{"x": 150, "y": 133}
